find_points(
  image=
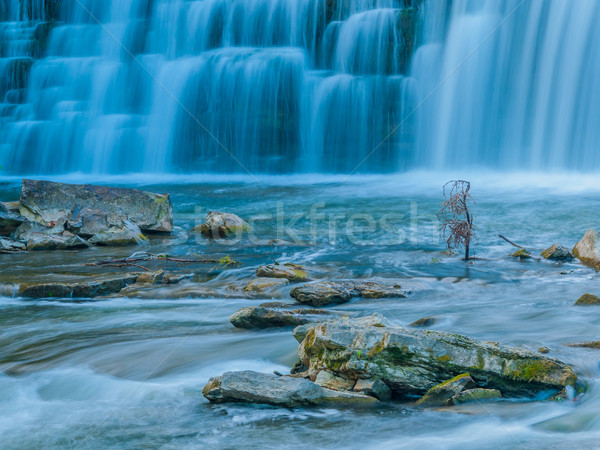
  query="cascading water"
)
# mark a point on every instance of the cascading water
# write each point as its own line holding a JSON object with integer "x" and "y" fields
{"x": 216, "y": 85}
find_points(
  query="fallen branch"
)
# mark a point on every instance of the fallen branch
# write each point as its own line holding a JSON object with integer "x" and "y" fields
{"x": 123, "y": 265}
{"x": 143, "y": 256}
{"x": 509, "y": 241}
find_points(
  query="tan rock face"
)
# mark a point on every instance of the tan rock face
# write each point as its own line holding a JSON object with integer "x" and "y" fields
{"x": 291, "y": 272}
{"x": 586, "y": 250}
{"x": 48, "y": 203}
{"x": 220, "y": 225}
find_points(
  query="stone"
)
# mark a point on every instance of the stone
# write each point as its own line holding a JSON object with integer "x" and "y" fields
{"x": 43, "y": 241}
{"x": 11, "y": 206}
{"x": 48, "y": 203}
{"x": 83, "y": 289}
{"x": 441, "y": 394}
{"x": 270, "y": 317}
{"x": 9, "y": 246}
{"x": 544, "y": 350}
{"x": 126, "y": 234}
{"x": 219, "y": 225}
{"x": 330, "y": 381}
{"x": 373, "y": 387}
{"x": 261, "y": 388}
{"x": 522, "y": 254}
{"x": 424, "y": 322}
{"x": 28, "y": 229}
{"x": 325, "y": 293}
{"x": 592, "y": 344}
{"x": 291, "y": 272}
{"x": 155, "y": 277}
{"x": 265, "y": 284}
{"x": 557, "y": 253}
{"x": 587, "y": 299}
{"x": 475, "y": 395}
{"x": 412, "y": 361}
{"x": 87, "y": 222}
{"x": 586, "y": 250}
{"x": 9, "y": 222}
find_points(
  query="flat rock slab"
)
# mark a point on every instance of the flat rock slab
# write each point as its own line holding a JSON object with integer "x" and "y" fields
{"x": 83, "y": 289}
{"x": 412, "y": 361}
{"x": 265, "y": 284}
{"x": 255, "y": 387}
{"x": 291, "y": 272}
{"x": 266, "y": 317}
{"x": 334, "y": 292}
{"x": 48, "y": 203}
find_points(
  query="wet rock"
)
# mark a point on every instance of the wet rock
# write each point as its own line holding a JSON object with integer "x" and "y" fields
{"x": 375, "y": 388}
{"x": 424, "y": 322}
{"x": 544, "y": 350}
{"x": 28, "y": 229}
{"x": 48, "y": 202}
{"x": 264, "y": 284}
{"x": 269, "y": 317}
{"x": 557, "y": 253}
{"x": 329, "y": 292}
{"x": 586, "y": 250}
{"x": 86, "y": 222}
{"x": 10, "y": 246}
{"x": 9, "y": 222}
{"x": 475, "y": 395}
{"x": 82, "y": 289}
{"x": 44, "y": 241}
{"x": 126, "y": 234}
{"x": 220, "y": 225}
{"x": 254, "y": 387}
{"x": 330, "y": 381}
{"x": 587, "y": 299}
{"x": 522, "y": 254}
{"x": 441, "y": 394}
{"x": 11, "y": 206}
{"x": 155, "y": 277}
{"x": 412, "y": 361}
{"x": 591, "y": 344}
{"x": 3, "y": 208}
{"x": 291, "y": 272}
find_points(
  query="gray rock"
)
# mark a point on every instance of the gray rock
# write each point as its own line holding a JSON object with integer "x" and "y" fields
{"x": 330, "y": 381}
{"x": 375, "y": 388}
{"x": 87, "y": 222}
{"x": 557, "y": 253}
{"x": 441, "y": 394}
{"x": 265, "y": 284}
{"x": 84, "y": 289}
{"x": 9, "y": 222}
{"x": 10, "y": 246}
{"x": 412, "y": 361}
{"x": 28, "y": 229}
{"x": 475, "y": 395}
{"x": 47, "y": 202}
{"x": 329, "y": 292}
{"x": 219, "y": 225}
{"x": 44, "y": 241}
{"x": 586, "y": 250}
{"x": 126, "y": 234}
{"x": 291, "y": 272}
{"x": 254, "y": 387}
{"x": 424, "y": 322}
{"x": 269, "y": 317}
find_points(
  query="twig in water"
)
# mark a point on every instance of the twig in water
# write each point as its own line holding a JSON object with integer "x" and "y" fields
{"x": 509, "y": 241}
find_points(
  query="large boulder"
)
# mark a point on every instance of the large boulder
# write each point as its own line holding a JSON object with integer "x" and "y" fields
{"x": 586, "y": 250}
{"x": 270, "y": 317}
{"x": 288, "y": 271}
{"x": 557, "y": 253}
{"x": 588, "y": 299}
{"x": 219, "y": 225}
{"x": 48, "y": 203}
{"x": 254, "y": 387}
{"x": 330, "y": 292}
{"x": 412, "y": 361}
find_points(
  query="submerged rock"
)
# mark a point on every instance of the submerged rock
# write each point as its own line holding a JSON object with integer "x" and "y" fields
{"x": 522, "y": 254}
{"x": 271, "y": 317}
{"x": 126, "y": 234}
{"x": 83, "y": 289}
{"x": 254, "y": 387}
{"x": 424, "y": 322}
{"x": 441, "y": 394}
{"x": 9, "y": 222}
{"x": 475, "y": 395}
{"x": 264, "y": 284}
{"x": 557, "y": 253}
{"x": 329, "y": 292}
{"x": 587, "y": 299}
{"x": 412, "y": 361}
{"x": 220, "y": 225}
{"x": 586, "y": 250}
{"x": 291, "y": 272}
{"x": 48, "y": 202}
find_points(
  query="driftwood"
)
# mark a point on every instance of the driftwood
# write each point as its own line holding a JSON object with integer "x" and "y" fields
{"x": 134, "y": 259}
{"x": 510, "y": 242}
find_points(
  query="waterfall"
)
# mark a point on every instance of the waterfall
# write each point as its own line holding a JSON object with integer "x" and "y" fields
{"x": 509, "y": 84}
{"x": 214, "y": 86}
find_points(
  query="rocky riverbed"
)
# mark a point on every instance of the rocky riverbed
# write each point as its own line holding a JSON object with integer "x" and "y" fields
{"x": 162, "y": 331}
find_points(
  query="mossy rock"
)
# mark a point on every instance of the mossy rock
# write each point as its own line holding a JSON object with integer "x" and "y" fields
{"x": 587, "y": 299}
{"x": 475, "y": 395}
{"x": 522, "y": 254}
